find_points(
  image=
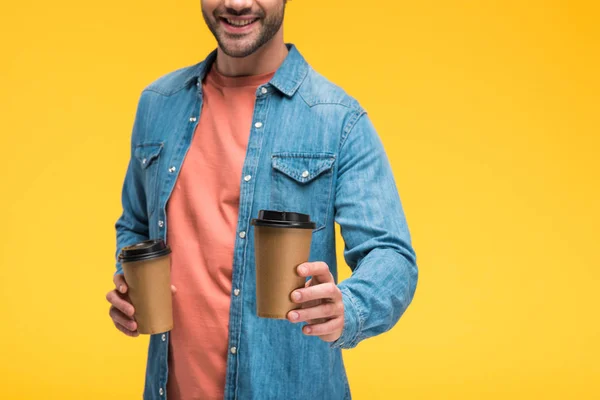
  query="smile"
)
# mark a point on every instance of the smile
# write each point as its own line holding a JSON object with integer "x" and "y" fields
{"x": 240, "y": 22}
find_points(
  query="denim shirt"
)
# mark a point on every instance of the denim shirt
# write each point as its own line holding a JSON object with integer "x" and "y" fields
{"x": 312, "y": 149}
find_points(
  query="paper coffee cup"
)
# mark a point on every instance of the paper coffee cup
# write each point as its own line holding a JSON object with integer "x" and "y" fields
{"x": 147, "y": 269}
{"x": 282, "y": 241}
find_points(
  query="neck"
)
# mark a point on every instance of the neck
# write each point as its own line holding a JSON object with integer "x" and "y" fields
{"x": 264, "y": 60}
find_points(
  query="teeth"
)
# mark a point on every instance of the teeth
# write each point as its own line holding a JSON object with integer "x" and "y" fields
{"x": 240, "y": 23}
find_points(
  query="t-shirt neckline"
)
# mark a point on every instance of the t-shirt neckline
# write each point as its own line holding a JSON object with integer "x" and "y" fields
{"x": 237, "y": 81}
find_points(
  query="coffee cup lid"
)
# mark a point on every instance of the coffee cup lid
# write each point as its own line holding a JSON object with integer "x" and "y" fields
{"x": 145, "y": 250}
{"x": 283, "y": 219}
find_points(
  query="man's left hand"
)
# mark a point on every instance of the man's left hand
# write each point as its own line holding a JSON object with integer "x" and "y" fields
{"x": 321, "y": 303}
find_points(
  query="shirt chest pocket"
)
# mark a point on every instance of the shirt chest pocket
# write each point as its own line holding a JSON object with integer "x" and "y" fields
{"x": 148, "y": 157}
{"x": 302, "y": 182}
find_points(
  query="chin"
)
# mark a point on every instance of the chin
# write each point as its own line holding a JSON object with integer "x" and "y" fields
{"x": 238, "y": 50}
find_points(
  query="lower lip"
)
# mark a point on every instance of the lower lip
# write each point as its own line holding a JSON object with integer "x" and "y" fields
{"x": 238, "y": 29}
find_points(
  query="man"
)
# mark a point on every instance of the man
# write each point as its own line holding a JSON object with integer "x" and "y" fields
{"x": 253, "y": 127}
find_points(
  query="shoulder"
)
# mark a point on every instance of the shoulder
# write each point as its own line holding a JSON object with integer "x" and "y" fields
{"x": 317, "y": 89}
{"x": 172, "y": 82}
{"x": 330, "y": 102}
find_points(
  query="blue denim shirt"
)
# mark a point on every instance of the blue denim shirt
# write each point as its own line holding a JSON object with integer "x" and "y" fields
{"x": 311, "y": 149}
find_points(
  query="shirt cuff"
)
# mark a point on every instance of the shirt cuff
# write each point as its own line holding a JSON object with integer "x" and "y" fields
{"x": 352, "y": 323}
{"x": 119, "y": 269}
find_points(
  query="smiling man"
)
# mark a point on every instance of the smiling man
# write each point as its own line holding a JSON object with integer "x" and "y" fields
{"x": 252, "y": 127}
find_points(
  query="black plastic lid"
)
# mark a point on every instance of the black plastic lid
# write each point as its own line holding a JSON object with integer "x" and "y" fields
{"x": 283, "y": 219}
{"x": 145, "y": 250}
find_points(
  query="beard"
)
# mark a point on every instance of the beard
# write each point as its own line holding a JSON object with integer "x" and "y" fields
{"x": 242, "y": 45}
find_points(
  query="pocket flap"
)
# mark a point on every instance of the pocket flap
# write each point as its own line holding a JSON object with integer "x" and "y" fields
{"x": 147, "y": 152}
{"x": 302, "y": 167}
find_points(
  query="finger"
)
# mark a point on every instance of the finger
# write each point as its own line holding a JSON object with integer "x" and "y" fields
{"x": 313, "y": 303}
{"x": 321, "y": 291}
{"x": 122, "y": 304}
{"x": 317, "y": 269}
{"x": 173, "y": 289}
{"x": 317, "y": 321}
{"x": 308, "y": 283}
{"x": 122, "y": 319}
{"x": 126, "y": 331}
{"x": 120, "y": 283}
{"x": 332, "y": 337}
{"x": 326, "y": 328}
{"x": 325, "y": 310}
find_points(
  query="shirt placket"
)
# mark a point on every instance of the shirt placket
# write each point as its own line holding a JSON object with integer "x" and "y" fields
{"x": 248, "y": 181}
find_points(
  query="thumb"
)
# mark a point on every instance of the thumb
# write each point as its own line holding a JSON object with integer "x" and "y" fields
{"x": 120, "y": 283}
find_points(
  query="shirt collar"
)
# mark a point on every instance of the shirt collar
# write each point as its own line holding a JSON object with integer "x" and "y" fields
{"x": 291, "y": 72}
{"x": 287, "y": 78}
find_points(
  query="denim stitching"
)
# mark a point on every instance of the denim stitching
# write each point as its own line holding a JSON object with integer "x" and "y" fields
{"x": 349, "y": 126}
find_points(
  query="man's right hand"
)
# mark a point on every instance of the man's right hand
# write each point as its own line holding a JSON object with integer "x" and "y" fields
{"x": 121, "y": 310}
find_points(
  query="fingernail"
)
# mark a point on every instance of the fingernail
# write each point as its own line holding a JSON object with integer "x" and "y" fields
{"x": 302, "y": 270}
{"x": 294, "y": 315}
{"x": 121, "y": 289}
{"x": 296, "y": 296}
{"x": 307, "y": 329}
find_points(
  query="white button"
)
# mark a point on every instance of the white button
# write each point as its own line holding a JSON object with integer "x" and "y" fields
{"x": 236, "y": 292}
{"x": 258, "y": 124}
{"x": 164, "y": 337}
{"x": 247, "y": 178}
{"x": 233, "y": 350}
{"x": 161, "y": 223}
{"x": 192, "y": 119}
{"x": 263, "y": 90}
{"x": 144, "y": 161}
{"x": 304, "y": 174}
{"x": 161, "y": 391}
{"x": 242, "y": 234}
{"x": 172, "y": 169}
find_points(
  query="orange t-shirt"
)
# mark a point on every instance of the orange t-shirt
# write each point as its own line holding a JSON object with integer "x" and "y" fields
{"x": 202, "y": 215}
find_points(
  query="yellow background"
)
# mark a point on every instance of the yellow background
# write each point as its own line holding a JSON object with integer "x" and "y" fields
{"x": 489, "y": 114}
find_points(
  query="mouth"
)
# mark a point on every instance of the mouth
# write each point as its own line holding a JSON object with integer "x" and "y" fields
{"x": 238, "y": 24}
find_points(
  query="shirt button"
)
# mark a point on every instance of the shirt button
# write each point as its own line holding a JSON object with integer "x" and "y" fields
{"x": 242, "y": 234}
{"x": 247, "y": 178}
{"x": 164, "y": 337}
{"x": 233, "y": 350}
{"x": 161, "y": 223}
{"x": 192, "y": 119}
{"x": 258, "y": 124}
{"x": 263, "y": 90}
{"x": 161, "y": 391}
{"x": 236, "y": 292}
{"x": 304, "y": 174}
{"x": 172, "y": 169}
{"x": 144, "y": 161}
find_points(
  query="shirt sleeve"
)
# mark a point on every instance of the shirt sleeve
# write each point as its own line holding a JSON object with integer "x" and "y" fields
{"x": 378, "y": 246}
{"x": 132, "y": 225}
